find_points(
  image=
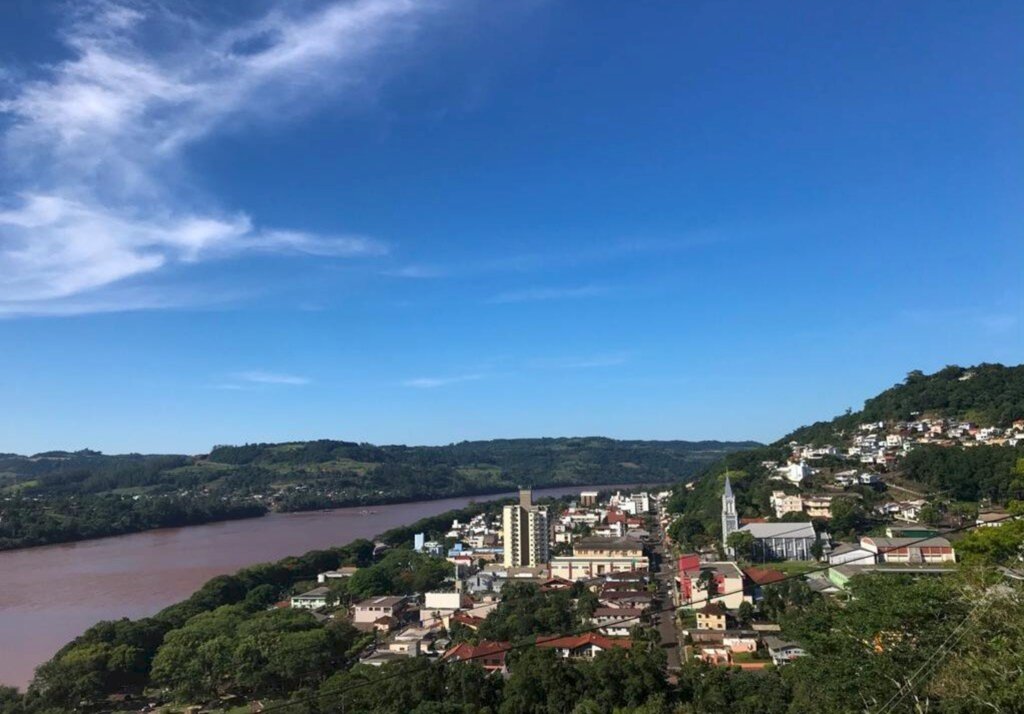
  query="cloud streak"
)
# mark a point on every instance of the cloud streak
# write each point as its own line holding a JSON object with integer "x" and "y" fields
{"x": 258, "y": 378}
{"x": 435, "y": 382}
{"x": 93, "y": 150}
{"x": 262, "y": 377}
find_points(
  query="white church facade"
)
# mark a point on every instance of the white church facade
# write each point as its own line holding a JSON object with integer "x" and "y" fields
{"x": 772, "y": 541}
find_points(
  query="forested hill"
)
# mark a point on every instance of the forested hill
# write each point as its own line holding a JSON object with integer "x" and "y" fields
{"x": 988, "y": 394}
{"x": 353, "y": 468}
{"x": 65, "y": 496}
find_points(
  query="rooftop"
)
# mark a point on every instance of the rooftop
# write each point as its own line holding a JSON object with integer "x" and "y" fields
{"x": 576, "y": 641}
{"x": 764, "y": 576}
{"x": 780, "y": 530}
{"x": 713, "y": 608}
{"x": 602, "y": 543}
{"x": 382, "y": 601}
{"x": 894, "y": 543}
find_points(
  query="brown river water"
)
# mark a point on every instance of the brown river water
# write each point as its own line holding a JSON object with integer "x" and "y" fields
{"x": 51, "y": 594}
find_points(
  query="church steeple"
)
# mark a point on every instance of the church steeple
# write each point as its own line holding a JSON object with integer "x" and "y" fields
{"x": 730, "y": 518}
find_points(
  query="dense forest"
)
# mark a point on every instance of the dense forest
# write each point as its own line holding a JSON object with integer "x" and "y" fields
{"x": 65, "y": 496}
{"x": 987, "y": 394}
{"x": 26, "y": 522}
{"x": 991, "y": 472}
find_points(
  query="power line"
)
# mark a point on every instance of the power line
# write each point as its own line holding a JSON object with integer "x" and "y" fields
{"x": 937, "y": 656}
{"x": 533, "y": 643}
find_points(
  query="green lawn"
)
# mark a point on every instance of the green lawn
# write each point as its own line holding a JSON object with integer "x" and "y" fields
{"x": 791, "y": 567}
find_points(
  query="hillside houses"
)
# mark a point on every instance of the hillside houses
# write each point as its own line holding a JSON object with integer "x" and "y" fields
{"x": 882, "y": 444}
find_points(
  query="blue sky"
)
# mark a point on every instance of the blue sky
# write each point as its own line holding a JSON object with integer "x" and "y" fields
{"x": 422, "y": 222}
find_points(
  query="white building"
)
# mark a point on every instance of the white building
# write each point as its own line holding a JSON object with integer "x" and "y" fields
{"x": 784, "y": 503}
{"x": 795, "y": 473}
{"x": 369, "y": 611}
{"x": 850, "y": 553}
{"x": 786, "y": 541}
{"x": 312, "y": 600}
{"x": 525, "y": 532}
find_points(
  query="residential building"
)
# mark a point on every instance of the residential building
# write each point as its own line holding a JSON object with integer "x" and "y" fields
{"x": 850, "y": 553}
{"x": 339, "y": 574}
{"x": 585, "y": 646}
{"x": 526, "y": 532}
{"x": 737, "y": 642}
{"x": 626, "y": 599}
{"x": 488, "y": 654}
{"x": 784, "y": 503}
{"x": 438, "y": 607}
{"x": 371, "y": 610}
{"x": 616, "y": 621}
{"x": 783, "y": 652}
{"x": 312, "y": 600}
{"x": 711, "y": 617}
{"x": 758, "y": 578}
{"x": 909, "y": 550}
{"x": 796, "y": 472}
{"x": 588, "y": 499}
{"x": 818, "y": 506}
{"x": 694, "y": 578}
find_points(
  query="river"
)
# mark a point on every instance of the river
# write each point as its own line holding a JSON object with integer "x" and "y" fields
{"x": 51, "y": 594}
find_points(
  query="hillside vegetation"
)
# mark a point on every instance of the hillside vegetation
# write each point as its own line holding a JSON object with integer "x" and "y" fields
{"x": 64, "y": 496}
{"x": 988, "y": 394}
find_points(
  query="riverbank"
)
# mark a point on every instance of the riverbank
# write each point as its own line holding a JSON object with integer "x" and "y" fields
{"x": 51, "y": 594}
{"x": 166, "y": 513}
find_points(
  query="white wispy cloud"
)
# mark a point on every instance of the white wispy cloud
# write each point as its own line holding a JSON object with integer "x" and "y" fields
{"x": 536, "y": 294}
{"x": 255, "y": 379}
{"x": 434, "y": 382}
{"x": 417, "y": 272}
{"x": 257, "y": 376}
{"x": 93, "y": 148}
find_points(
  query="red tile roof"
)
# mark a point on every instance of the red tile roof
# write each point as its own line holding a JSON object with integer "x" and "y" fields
{"x": 764, "y": 576}
{"x": 471, "y": 621}
{"x": 489, "y": 654}
{"x": 574, "y": 642}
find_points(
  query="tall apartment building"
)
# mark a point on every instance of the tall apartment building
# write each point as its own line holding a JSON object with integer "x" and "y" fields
{"x": 525, "y": 531}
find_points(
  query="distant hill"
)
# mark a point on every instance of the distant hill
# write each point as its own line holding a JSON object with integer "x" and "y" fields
{"x": 988, "y": 394}
{"x": 326, "y": 472}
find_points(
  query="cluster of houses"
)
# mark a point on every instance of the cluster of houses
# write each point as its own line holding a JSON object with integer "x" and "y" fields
{"x": 711, "y": 593}
{"x": 882, "y": 444}
{"x": 608, "y": 543}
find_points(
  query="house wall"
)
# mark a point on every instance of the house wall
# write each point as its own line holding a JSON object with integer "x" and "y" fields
{"x": 578, "y": 568}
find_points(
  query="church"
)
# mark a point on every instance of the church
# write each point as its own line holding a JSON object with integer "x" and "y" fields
{"x": 772, "y": 541}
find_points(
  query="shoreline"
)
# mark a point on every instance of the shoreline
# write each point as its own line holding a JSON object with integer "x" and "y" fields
{"x": 139, "y": 574}
{"x": 361, "y": 504}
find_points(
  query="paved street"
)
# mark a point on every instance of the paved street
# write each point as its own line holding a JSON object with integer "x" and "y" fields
{"x": 666, "y": 621}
